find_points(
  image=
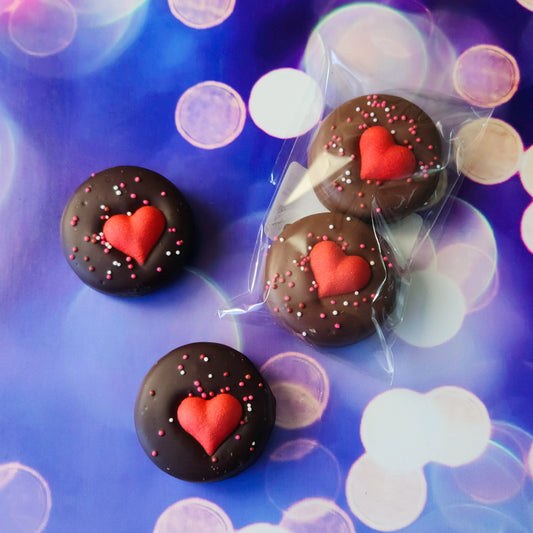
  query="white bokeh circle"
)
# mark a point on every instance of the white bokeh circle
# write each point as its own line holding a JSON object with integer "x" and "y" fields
{"x": 434, "y": 310}
{"x": 286, "y": 103}
{"x": 385, "y": 500}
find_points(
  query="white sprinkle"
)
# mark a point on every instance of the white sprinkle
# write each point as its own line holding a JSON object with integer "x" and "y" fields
{"x": 168, "y": 252}
{"x": 171, "y": 420}
{"x": 299, "y": 313}
{"x": 372, "y": 263}
{"x": 182, "y": 372}
{"x": 346, "y": 303}
{"x": 348, "y": 181}
{"x": 118, "y": 193}
{"x": 304, "y": 333}
{"x": 178, "y": 252}
{"x": 348, "y": 173}
{"x": 331, "y": 226}
{"x": 335, "y": 313}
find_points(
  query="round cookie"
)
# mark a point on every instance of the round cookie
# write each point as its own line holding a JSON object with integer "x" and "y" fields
{"x": 329, "y": 279}
{"x": 204, "y": 412}
{"x": 127, "y": 231}
{"x": 393, "y": 152}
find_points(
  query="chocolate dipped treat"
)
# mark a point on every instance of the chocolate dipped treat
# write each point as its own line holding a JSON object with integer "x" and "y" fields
{"x": 204, "y": 412}
{"x": 393, "y": 153}
{"x": 127, "y": 231}
{"x": 330, "y": 279}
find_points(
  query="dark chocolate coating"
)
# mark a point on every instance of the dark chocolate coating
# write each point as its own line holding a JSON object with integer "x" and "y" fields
{"x": 338, "y": 136}
{"x": 123, "y": 190}
{"x": 291, "y": 289}
{"x": 215, "y": 368}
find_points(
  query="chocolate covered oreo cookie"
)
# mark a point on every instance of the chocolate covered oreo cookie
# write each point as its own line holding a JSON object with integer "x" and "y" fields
{"x": 330, "y": 279}
{"x": 127, "y": 231}
{"x": 204, "y": 412}
{"x": 393, "y": 152}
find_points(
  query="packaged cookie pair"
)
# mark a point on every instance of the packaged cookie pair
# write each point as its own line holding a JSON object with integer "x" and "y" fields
{"x": 331, "y": 262}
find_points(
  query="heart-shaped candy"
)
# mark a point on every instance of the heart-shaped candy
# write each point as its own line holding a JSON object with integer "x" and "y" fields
{"x": 381, "y": 158}
{"x": 210, "y": 421}
{"x": 137, "y": 234}
{"x": 335, "y": 272}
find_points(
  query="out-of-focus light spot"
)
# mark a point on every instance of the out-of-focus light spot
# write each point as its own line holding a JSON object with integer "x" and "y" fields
{"x": 5, "y": 5}
{"x": 263, "y": 528}
{"x": 467, "y": 253}
{"x": 193, "y": 514}
{"x": 434, "y": 310}
{"x": 382, "y": 499}
{"x": 286, "y": 103}
{"x": 463, "y": 426}
{"x": 43, "y": 27}
{"x": 7, "y": 156}
{"x": 528, "y": 4}
{"x": 526, "y": 227}
{"x": 411, "y": 245}
{"x": 300, "y": 386}
{"x": 395, "y": 430}
{"x": 306, "y": 460}
{"x": 497, "y": 476}
{"x": 489, "y": 150}
{"x": 472, "y": 269}
{"x": 530, "y": 460}
{"x": 210, "y": 115}
{"x": 25, "y": 499}
{"x": 316, "y": 514}
{"x": 486, "y": 75}
{"x": 201, "y": 15}
{"x": 391, "y": 51}
{"x": 104, "y": 12}
{"x": 526, "y": 170}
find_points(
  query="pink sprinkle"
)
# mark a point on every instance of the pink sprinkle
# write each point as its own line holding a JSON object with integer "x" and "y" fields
{"x": 71, "y": 256}
{"x": 154, "y": 453}
{"x": 337, "y": 326}
{"x": 87, "y": 189}
{"x": 241, "y": 383}
{"x": 159, "y": 269}
{"x": 137, "y": 179}
{"x": 163, "y": 193}
{"x": 146, "y": 202}
{"x": 322, "y": 315}
{"x": 237, "y": 437}
{"x": 160, "y": 432}
{"x": 348, "y": 119}
{"x": 196, "y": 383}
{"x": 133, "y": 195}
{"x": 227, "y": 389}
{"x": 204, "y": 395}
{"x": 122, "y": 185}
{"x": 185, "y": 357}
{"x": 133, "y": 276}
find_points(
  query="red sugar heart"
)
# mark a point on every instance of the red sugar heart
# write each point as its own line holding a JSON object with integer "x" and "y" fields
{"x": 137, "y": 234}
{"x": 210, "y": 421}
{"x": 383, "y": 159}
{"x": 335, "y": 272}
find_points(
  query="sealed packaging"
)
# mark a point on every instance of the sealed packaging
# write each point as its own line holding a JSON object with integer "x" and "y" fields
{"x": 356, "y": 198}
